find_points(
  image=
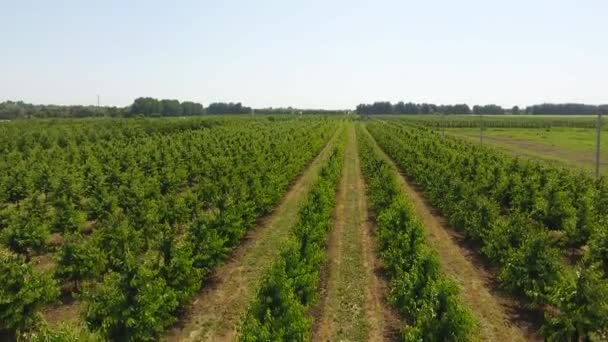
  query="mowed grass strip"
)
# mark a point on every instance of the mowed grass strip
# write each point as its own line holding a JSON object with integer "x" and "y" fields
{"x": 343, "y": 309}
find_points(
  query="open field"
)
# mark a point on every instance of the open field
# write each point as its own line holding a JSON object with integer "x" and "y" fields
{"x": 574, "y": 147}
{"x": 502, "y": 121}
{"x": 300, "y": 228}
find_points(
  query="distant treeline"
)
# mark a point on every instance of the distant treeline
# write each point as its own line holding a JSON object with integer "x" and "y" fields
{"x": 567, "y": 108}
{"x": 411, "y": 108}
{"x": 385, "y": 107}
{"x": 144, "y": 106}
{"x": 19, "y": 109}
{"x": 149, "y": 106}
{"x": 291, "y": 110}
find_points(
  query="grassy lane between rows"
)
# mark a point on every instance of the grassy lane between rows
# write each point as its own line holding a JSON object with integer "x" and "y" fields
{"x": 280, "y": 310}
{"x": 427, "y": 300}
{"x": 352, "y": 306}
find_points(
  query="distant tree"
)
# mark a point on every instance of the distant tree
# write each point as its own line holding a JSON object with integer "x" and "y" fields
{"x": 146, "y": 106}
{"x": 382, "y": 108}
{"x": 427, "y": 108}
{"x": 490, "y": 109}
{"x": 363, "y": 109}
{"x": 399, "y": 108}
{"x": 171, "y": 108}
{"x": 515, "y": 110}
{"x": 455, "y": 109}
{"x": 192, "y": 108}
{"x": 405, "y": 108}
{"x": 563, "y": 109}
{"x": 410, "y": 108}
{"x": 227, "y": 108}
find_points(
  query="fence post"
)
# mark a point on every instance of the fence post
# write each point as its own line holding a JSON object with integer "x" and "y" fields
{"x": 481, "y": 129}
{"x": 597, "y": 144}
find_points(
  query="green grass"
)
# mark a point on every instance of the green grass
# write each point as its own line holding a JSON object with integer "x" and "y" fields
{"x": 574, "y": 147}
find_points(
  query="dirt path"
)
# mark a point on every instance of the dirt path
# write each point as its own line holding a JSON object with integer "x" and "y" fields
{"x": 215, "y": 312}
{"x": 352, "y": 307}
{"x": 498, "y": 315}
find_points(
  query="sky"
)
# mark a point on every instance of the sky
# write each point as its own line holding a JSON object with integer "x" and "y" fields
{"x": 306, "y": 54}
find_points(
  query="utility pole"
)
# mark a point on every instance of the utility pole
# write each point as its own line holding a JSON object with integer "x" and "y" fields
{"x": 597, "y": 144}
{"x": 97, "y": 100}
{"x": 481, "y": 129}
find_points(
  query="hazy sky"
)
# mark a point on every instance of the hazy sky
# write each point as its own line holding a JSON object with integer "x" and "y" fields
{"x": 330, "y": 54}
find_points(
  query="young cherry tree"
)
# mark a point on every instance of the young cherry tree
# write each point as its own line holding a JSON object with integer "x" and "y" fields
{"x": 23, "y": 292}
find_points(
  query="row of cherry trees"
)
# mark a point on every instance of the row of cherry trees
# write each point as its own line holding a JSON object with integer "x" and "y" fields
{"x": 421, "y": 293}
{"x": 135, "y": 213}
{"x": 526, "y": 216}
{"x": 280, "y": 310}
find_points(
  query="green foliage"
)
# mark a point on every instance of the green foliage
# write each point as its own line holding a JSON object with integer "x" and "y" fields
{"x": 136, "y": 305}
{"x": 149, "y": 106}
{"x": 144, "y": 207}
{"x": 79, "y": 259}
{"x": 210, "y": 246}
{"x": 599, "y": 245}
{"x": 506, "y": 235}
{"x": 276, "y": 314}
{"x": 519, "y": 211}
{"x": 118, "y": 241}
{"x": 400, "y": 249}
{"x": 279, "y": 311}
{"x": 14, "y": 181}
{"x": 178, "y": 265}
{"x": 441, "y": 316}
{"x": 580, "y": 313}
{"x": 23, "y": 292}
{"x": 27, "y": 231}
{"x": 418, "y": 290}
{"x": 67, "y": 218}
{"x": 532, "y": 268}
